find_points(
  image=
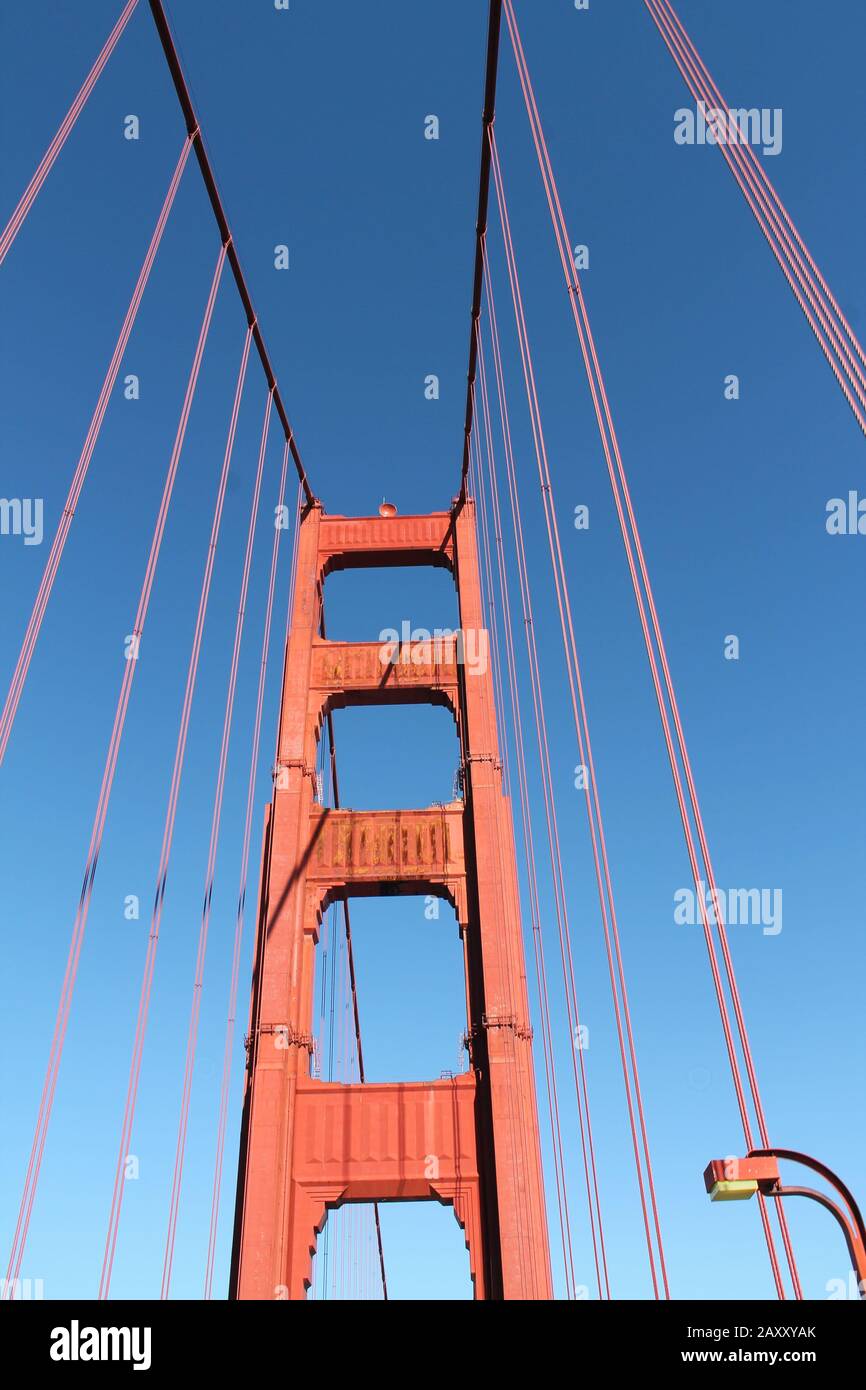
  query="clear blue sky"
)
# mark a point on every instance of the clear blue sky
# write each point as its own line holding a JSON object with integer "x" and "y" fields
{"x": 315, "y": 119}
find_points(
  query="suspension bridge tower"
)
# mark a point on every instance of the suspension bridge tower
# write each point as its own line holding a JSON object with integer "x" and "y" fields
{"x": 470, "y": 1141}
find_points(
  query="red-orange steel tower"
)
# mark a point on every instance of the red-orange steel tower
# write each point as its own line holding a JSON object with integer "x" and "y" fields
{"x": 471, "y": 1141}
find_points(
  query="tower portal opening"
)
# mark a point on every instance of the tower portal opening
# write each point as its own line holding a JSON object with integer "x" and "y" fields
{"x": 403, "y": 755}
{"x": 407, "y": 1032}
{"x": 361, "y": 604}
{"x": 424, "y": 1252}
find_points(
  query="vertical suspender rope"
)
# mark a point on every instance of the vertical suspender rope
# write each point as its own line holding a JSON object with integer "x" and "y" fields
{"x": 563, "y": 927}
{"x": 46, "y": 163}
{"x": 356, "y": 1016}
{"x": 513, "y": 1006}
{"x": 488, "y": 591}
{"x": 41, "y": 603}
{"x": 633, "y": 547}
{"x": 347, "y": 925}
{"x": 210, "y": 871}
{"x": 168, "y": 836}
{"x": 47, "y": 1100}
{"x": 628, "y": 1057}
{"x": 242, "y": 890}
{"x": 835, "y": 336}
{"x": 532, "y": 873}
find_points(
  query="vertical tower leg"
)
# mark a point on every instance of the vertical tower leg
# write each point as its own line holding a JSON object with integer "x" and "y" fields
{"x": 504, "y": 1025}
{"x": 281, "y": 1011}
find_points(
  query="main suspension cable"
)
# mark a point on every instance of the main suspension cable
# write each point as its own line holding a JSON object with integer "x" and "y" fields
{"x": 494, "y": 26}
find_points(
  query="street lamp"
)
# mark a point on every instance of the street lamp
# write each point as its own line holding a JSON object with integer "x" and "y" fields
{"x": 737, "y": 1179}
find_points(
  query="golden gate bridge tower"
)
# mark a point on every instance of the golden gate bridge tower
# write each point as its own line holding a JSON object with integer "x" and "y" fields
{"x": 470, "y": 1141}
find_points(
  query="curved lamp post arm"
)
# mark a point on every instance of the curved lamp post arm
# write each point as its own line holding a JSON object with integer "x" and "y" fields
{"x": 735, "y": 1179}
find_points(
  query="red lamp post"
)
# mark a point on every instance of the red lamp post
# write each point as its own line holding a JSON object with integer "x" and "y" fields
{"x": 736, "y": 1179}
